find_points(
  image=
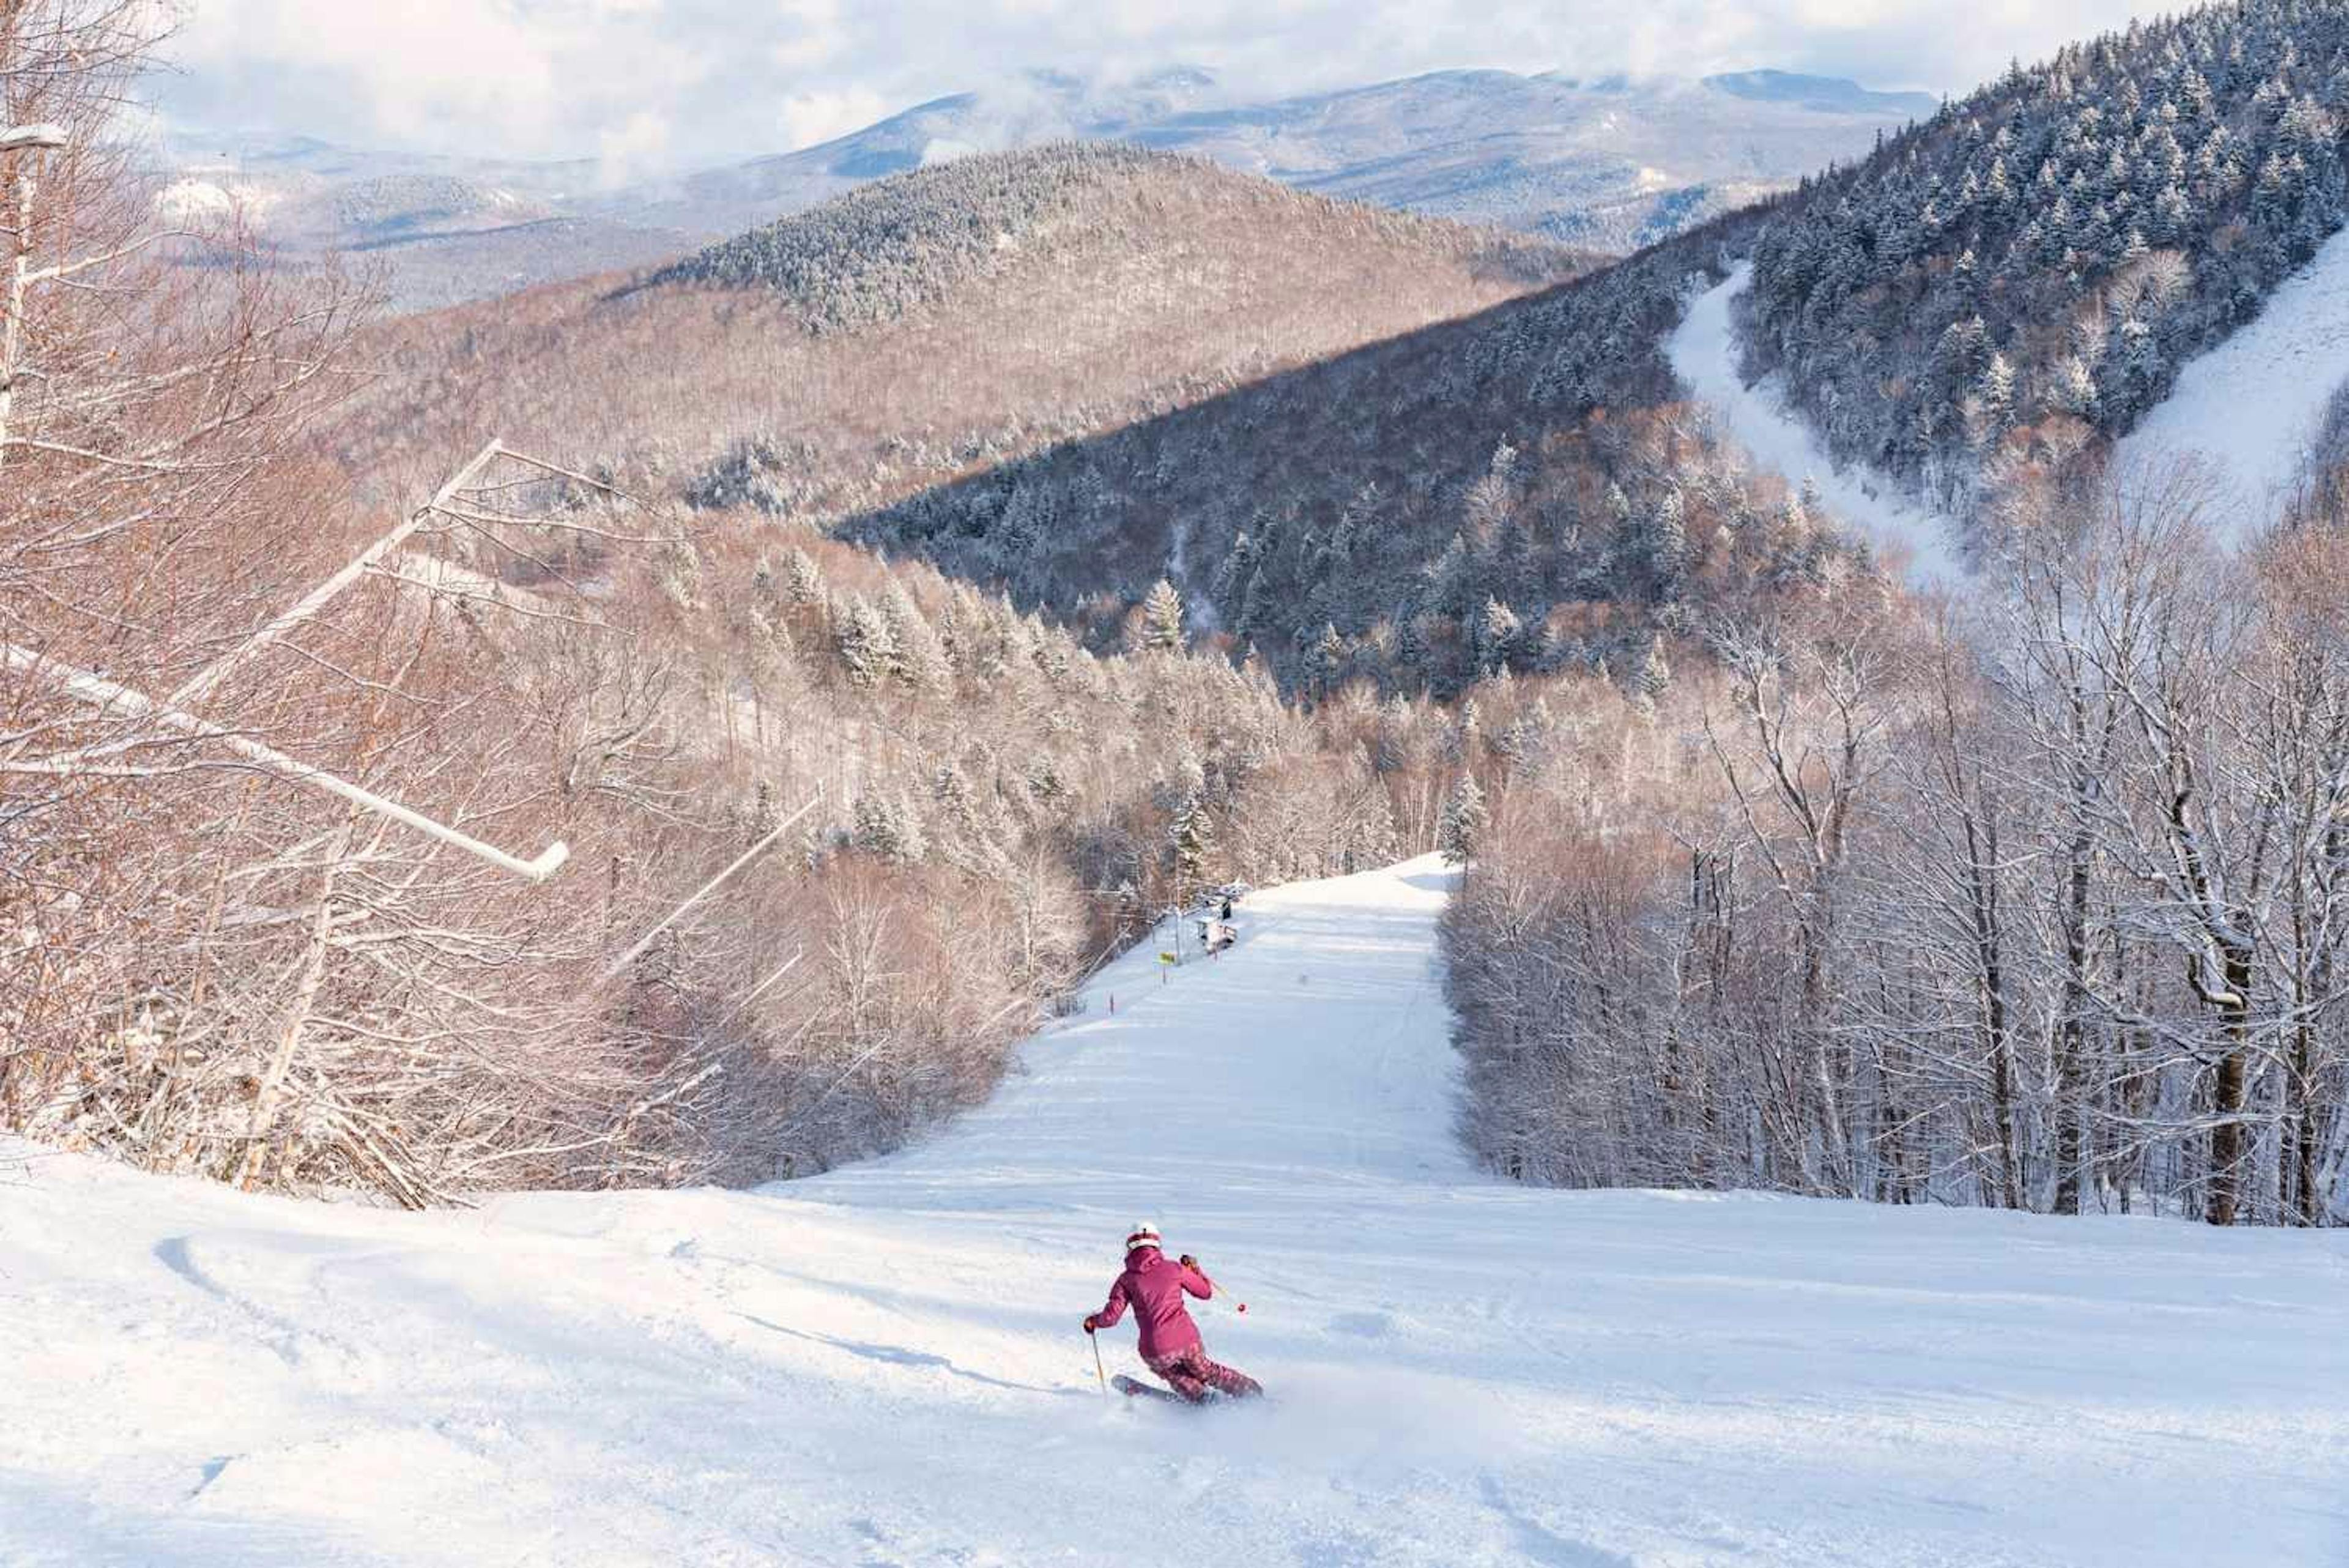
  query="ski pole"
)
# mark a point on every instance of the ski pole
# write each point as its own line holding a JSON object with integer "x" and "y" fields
{"x": 1218, "y": 1299}
{"x": 1098, "y": 1370}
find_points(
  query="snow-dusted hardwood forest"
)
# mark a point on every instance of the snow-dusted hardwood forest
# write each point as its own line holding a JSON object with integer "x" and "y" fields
{"x": 2034, "y": 895}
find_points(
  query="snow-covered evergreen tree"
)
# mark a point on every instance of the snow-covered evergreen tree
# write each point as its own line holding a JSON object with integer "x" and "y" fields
{"x": 1161, "y": 618}
{"x": 802, "y": 581}
{"x": 887, "y": 826}
{"x": 1191, "y": 843}
{"x": 1328, "y": 657}
{"x": 867, "y": 647}
{"x": 1499, "y": 635}
{"x": 1467, "y": 731}
{"x": 1997, "y": 393}
{"x": 1463, "y": 821}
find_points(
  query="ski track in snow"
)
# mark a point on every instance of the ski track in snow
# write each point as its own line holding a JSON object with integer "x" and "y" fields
{"x": 2247, "y": 409}
{"x": 884, "y": 1365}
{"x": 1703, "y": 353}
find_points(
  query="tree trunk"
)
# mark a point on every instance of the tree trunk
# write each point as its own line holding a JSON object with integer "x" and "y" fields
{"x": 2071, "y": 1041}
{"x": 2229, "y": 1146}
{"x": 2301, "y": 1172}
{"x": 306, "y": 997}
{"x": 1992, "y": 978}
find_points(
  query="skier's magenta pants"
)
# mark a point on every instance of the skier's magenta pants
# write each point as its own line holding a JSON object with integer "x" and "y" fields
{"x": 1190, "y": 1374}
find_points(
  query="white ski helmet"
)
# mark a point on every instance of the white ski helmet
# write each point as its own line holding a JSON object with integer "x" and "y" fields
{"x": 1143, "y": 1235}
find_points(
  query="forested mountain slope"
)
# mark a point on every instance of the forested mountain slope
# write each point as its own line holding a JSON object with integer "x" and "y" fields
{"x": 2030, "y": 891}
{"x": 1520, "y": 490}
{"x": 2029, "y": 271}
{"x": 1070, "y": 371}
{"x": 928, "y": 324}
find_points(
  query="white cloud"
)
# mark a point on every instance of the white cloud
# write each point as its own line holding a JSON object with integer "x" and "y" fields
{"x": 637, "y": 145}
{"x": 808, "y": 118}
{"x": 725, "y": 79}
{"x": 812, "y": 34}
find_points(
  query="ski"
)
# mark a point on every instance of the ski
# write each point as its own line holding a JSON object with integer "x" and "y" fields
{"x": 1135, "y": 1388}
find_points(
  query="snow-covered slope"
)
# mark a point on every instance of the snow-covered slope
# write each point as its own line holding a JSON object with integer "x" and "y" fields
{"x": 2247, "y": 409}
{"x": 884, "y": 1365}
{"x": 1703, "y": 353}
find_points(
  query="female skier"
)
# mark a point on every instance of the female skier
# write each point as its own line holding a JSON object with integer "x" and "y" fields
{"x": 1169, "y": 1340}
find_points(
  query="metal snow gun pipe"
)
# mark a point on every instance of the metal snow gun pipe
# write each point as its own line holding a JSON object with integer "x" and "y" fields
{"x": 23, "y": 138}
{"x": 173, "y": 711}
{"x": 108, "y": 696}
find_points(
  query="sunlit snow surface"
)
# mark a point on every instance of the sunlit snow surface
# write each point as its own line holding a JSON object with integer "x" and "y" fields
{"x": 884, "y": 1367}
{"x": 1703, "y": 351}
{"x": 2245, "y": 410}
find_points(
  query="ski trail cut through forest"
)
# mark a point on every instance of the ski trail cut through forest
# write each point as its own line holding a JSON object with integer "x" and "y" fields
{"x": 884, "y": 1365}
{"x": 1703, "y": 352}
{"x": 2247, "y": 409}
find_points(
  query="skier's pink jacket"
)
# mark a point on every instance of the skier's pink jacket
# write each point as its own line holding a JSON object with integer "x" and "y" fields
{"x": 1153, "y": 1284}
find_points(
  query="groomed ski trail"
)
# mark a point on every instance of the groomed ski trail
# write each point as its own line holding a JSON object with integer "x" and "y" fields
{"x": 2243, "y": 414}
{"x": 885, "y": 1366}
{"x": 2247, "y": 410}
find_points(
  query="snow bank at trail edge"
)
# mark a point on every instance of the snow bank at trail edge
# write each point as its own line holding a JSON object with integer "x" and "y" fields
{"x": 2247, "y": 409}
{"x": 884, "y": 1367}
{"x": 1703, "y": 353}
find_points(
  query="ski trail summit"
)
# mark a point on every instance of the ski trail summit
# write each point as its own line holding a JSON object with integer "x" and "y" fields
{"x": 887, "y": 1365}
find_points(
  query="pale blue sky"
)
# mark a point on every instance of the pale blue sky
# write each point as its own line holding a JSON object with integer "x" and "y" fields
{"x": 648, "y": 83}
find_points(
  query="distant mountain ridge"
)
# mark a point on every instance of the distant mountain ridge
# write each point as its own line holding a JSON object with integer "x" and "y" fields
{"x": 1824, "y": 95}
{"x": 1612, "y": 162}
{"x": 1608, "y": 163}
{"x": 442, "y": 230}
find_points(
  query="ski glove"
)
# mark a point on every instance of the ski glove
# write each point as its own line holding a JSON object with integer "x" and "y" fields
{"x": 1090, "y": 1324}
{"x": 1191, "y": 1263}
